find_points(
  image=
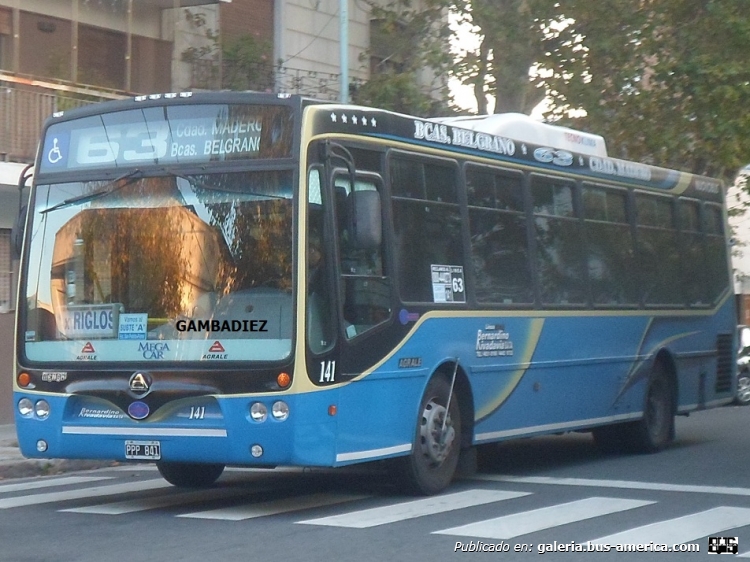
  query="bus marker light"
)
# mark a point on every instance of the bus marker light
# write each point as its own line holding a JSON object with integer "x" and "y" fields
{"x": 256, "y": 451}
{"x": 24, "y": 379}
{"x": 332, "y": 410}
{"x": 283, "y": 380}
{"x": 41, "y": 445}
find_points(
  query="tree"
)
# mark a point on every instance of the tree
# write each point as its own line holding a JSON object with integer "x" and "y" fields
{"x": 407, "y": 58}
{"x": 510, "y": 33}
{"x": 664, "y": 81}
{"x": 510, "y": 42}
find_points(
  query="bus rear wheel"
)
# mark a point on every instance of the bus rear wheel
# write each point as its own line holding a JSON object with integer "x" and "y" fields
{"x": 190, "y": 474}
{"x": 432, "y": 463}
{"x": 654, "y": 431}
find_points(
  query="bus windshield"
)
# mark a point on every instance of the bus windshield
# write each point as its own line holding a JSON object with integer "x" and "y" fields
{"x": 167, "y": 268}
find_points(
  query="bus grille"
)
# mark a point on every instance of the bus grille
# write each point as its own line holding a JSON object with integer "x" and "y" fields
{"x": 724, "y": 362}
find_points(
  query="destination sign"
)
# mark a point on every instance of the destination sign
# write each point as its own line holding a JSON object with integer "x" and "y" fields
{"x": 168, "y": 135}
{"x": 89, "y": 321}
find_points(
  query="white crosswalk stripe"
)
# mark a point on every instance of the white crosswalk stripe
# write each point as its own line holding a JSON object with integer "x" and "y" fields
{"x": 517, "y": 524}
{"x": 49, "y": 483}
{"x": 285, "y": 505}
{"x": 409, "y": 510}
{"x": 94, "y": 491}
{"x": 619, "y": 484}
{"x": 683, "y": 529}
{"x": 144, "y": 504}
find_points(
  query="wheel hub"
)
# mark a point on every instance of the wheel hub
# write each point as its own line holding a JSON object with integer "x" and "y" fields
{"x": 435, "y": 442}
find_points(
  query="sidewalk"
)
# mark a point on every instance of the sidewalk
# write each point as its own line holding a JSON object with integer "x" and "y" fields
{"x": 14, "y": 465}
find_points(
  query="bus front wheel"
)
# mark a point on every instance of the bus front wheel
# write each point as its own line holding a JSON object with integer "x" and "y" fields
{"x": 432, "y": 463}
{"x": 189, "y": 474}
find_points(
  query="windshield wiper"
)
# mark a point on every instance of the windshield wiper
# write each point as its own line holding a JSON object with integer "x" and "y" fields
{"x": 107, "y": 189}
{"x": 194, "y": 181}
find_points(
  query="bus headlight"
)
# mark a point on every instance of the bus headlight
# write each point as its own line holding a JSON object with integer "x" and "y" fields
{"x": 258, "y": 412}
{"x": 25, "y": 407}
{"x": 41, "y": 409}
{"x": 280, "y": 410}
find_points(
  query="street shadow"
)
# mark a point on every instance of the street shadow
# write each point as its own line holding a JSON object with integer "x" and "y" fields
{"x": 535, "y": 454}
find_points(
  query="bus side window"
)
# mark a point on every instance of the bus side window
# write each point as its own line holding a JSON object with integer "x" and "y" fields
{"x": 610, "y": 248}
{"x": 559, "y": 242}
{"x": 427, "y": 223}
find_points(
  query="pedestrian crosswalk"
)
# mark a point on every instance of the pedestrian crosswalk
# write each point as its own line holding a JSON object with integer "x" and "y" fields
{"x": 518, "y": 524}
{"x": 485, "y": 510}
{"x": 683, "y": 529}
{"x": 412, "y": 509}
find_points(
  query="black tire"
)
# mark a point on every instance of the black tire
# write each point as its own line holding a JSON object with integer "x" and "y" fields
{"x": 654, "y": 431}
{"x": 742, "y": 397}
{"x": 190, "y": 474}
{"x": 431, "y": 465}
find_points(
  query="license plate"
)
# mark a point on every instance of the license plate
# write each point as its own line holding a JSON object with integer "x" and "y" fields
{"x": 143, "y": 450}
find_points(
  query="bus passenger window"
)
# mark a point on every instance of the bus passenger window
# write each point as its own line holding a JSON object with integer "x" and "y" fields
{"x": 609, "y": 243}
{"x": 427, "y": 224}
{"x": 658, "y": 250}
{"x": 499, "y": 246}
{"x": 559, "y": 242}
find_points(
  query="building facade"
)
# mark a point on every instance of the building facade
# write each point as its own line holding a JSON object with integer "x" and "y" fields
{"x": 59, "y": 54}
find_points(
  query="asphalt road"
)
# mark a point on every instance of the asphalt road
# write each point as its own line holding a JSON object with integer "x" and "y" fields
{"x": 556, "y": 491}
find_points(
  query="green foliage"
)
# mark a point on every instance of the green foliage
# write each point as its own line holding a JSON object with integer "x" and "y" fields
{"x": 398, "y": 92}
{"x": 407, "y": 59}
{"x": 664, "y": 81}
{"x": 511, "y": 41}
{"x": 247, "y": 63}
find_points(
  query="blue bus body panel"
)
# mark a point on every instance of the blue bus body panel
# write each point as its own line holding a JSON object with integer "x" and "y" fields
{"x": 307, "y": 437}
{"x": 528, "y": 375}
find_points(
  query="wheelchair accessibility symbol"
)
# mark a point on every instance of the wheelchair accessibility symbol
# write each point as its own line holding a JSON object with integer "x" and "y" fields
{"x": 55, "y": 154}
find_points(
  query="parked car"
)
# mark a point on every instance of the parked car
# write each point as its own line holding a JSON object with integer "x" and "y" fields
{"x": 743, "y": 367}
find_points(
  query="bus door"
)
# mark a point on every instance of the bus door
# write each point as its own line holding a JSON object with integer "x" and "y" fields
{"x": 364, "y": 288}
{"x": 349, "y": 287}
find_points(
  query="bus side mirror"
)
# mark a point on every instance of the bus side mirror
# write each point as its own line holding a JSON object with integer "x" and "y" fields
{"x": 16, "y": 233}
{"x": 365, "y": 222}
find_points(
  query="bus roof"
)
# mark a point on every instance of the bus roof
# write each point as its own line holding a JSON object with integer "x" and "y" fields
{"x": 523, "y": 128}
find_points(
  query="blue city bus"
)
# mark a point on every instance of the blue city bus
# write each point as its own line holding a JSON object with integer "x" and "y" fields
{"x": 246, "y": 279}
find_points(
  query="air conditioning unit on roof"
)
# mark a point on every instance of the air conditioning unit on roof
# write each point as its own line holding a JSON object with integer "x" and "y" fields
{"x": 523, "y": 128}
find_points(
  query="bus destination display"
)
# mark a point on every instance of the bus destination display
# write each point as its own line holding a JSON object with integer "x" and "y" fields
{"x": 168, "y": 135}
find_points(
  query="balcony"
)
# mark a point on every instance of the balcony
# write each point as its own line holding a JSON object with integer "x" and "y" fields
{"x": 26, "y": 103}
{"x": 264, "y": 77}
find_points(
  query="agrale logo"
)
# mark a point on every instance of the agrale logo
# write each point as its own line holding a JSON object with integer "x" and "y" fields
{"x": 140, "y": 383}
{"x": 88, "y": 353}
{"x": 216, "y": 351}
